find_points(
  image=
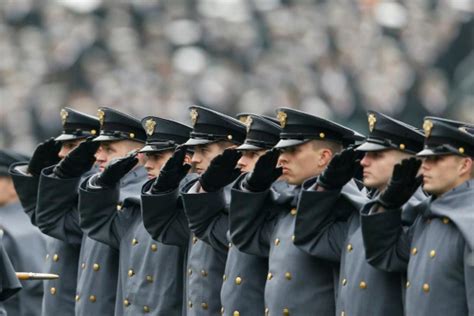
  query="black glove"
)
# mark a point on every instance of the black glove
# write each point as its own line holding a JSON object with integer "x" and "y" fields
{"x": 78, "y": 161}
{"x": 172, "y": 172}
{"x": 264, "y": 173}
{"x": 116, "y": 170}
{"x": 45, "y": 155}
{"x": 402, "y": 185}
{"x": 340, "y": 170}
{"x": 221, "y": 171}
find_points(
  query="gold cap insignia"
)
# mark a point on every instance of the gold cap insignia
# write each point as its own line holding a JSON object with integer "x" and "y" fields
{"x": 150, "y": 126}
{"x": 101, "y": 116}
{"x": 463, "y": 129}
{"x": 64, "y": 114}
{"x": 427, "y": 127}
{"x": 372, "y": 119}
{"x": 281, "y": 116}
{"x": 194, "y": 116}
{"x": 248, "y": 122}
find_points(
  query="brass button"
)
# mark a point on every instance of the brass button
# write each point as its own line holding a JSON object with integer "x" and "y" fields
{"x": 52, "y": 290}
{"x": 149, "y": 278}
{"x": 95, "y": 267}
{"x": 195, "y": 239}
{"x": 92, "y": 298}
{"x": 344, "y": 282}
{"x": 77, "y": 298}
{"x": 286, "y": 312}
{"x": 236, "y": 313}
{"x": 204, "y": 305}
{"x": 293, "y": 211}
{"x": 432, "y": 254}
{"x": 426, "y": 287}
{"x": 445, "y": 220}
{"x": 322, "y": 135}
{"x": 222, "y": 310}
{"x": 230, "y": 245}
{"x": 83, "y": 266}
{"x": 414, "y": 251}
{"x": 407, "y": 285}
{"x": 269, "y": 276}
{"x": 134, "y": 241}
{"x": 238, "y": 280}
{"x": 288, "y": 275}
{"x": 363, "y": 285}
{"x": 204, "y": 273}
{"x": 293, "y": 238}
{"x": 131, "y": 273}
{"x": 349, "y": 248}
{"x": 119, "y": 207}
{"x": 126, "y": 302}
{"x": 55, "y": 257}
{"x": 224, "y": 277}
{"x": 146, "y": 309}
{"x": 229, "y": 137}
{"x": 132, "y": 135}
{"x": 47, "y": 256}
{"x": 277, "y": 242}
{"x": 343, "y": 313}
{"x": 267, "y": 311}
{"x": 402, "y": 146}
{"x": 190, "y": 304}
{"x": 190, "y": 271}
{"x": 154, "y": 247}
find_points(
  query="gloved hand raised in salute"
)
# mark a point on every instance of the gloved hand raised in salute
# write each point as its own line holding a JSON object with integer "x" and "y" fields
{"x": 264, "y": 173}
{"x": 402, "y": 185}
{"x": 172, "y": 172}
{"x": 45, "y": 155}
{"x": 340, "y": 170}
{"x": 116, "y": 170}
{"x": 221, "y": 171}
{"x": 78, "y": 161}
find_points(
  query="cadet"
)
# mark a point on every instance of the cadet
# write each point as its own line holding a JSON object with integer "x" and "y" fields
{"x": 24, "y": 243}
{"x": 166, "y": 221}
{"x": 150, "y": 273}
{"x": 262, "y": 221}
{"x": 98, "y": 270}
{"x": 62, "y": 258}
{"x": 321, "y": 228}
{"x": 437, "y": 250}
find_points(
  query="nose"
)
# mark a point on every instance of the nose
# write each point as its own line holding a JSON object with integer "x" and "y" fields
{"x": 242, "y": 162}
{"x": 63, "y": 152}
{"x": 365, "y": 161}
{"x": 196, "y": 158}
{"x": 100, "y": 155}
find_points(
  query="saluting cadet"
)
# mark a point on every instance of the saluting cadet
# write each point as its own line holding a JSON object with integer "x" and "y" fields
{"x": 437, "y": 250}
{"x": 164, "y": 215}
{"x": 262, "y": 220}
{"x": 321, "y": 228}
{"x": 23, "y": 242}
{"x": 62, "y": 257}
{"x": 150, "y": 273}
{"x": 98, "y": 263}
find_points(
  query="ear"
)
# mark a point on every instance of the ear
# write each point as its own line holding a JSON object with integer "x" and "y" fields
{"x": 466, "y": 166}
{"x": 187, "y": 159}
{"x": 325, "y": 156}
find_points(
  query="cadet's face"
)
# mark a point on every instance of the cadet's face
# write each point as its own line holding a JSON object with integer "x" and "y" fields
{"x": 203, "y": 154}
{"x": 443, "y": 173}
{"x": 248, "y": 160}
{"x": 300, "y": 163}
{"x": 155, "y": 161}
{"x": 378, "y": 167}
{"x": 67, "y": 146}
{"x": 7, "y": 191}
{"x": 114, "y": 149}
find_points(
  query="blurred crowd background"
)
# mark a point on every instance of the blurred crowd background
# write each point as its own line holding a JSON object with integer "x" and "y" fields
{"x": 333, "y": 58}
